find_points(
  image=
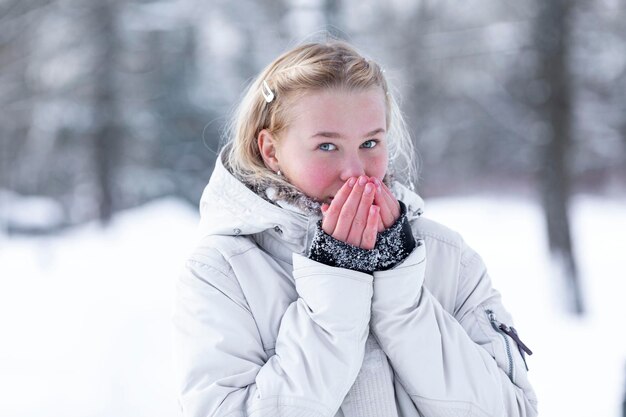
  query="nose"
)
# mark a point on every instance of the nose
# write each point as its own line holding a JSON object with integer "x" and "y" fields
{"x": 351, "y": 166}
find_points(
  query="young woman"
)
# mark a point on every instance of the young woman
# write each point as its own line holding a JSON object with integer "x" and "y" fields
{"x": 318, "y": 288}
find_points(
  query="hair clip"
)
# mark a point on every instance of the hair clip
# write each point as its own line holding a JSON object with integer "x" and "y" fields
{"x": 268, "y": 94}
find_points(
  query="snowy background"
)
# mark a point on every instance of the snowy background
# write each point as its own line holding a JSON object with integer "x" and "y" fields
{"x": 85, "y": 315}
{"x": 111, "y": 112}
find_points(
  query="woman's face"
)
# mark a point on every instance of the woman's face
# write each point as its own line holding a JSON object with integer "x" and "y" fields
{"x": 333, "y": 135}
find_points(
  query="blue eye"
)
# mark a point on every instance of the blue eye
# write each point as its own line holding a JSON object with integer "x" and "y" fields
{"x": 327, "y": 147}
{"x": 369, "y": 144}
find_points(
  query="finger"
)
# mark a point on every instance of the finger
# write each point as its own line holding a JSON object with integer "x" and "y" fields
{"x": 324, "y": 209}
{"x": 382, "y": 200}
{"x": 349, "y": 209}
{"x": 393, "y": 202}
{"x": 391, "y": 206}
{"x": 360, "y": 218}
{"x": 329, "y": 223}
{"x": 381, "y": 226}
{"x": 368, "y": 241}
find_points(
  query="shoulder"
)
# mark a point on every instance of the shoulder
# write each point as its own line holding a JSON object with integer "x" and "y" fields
{"x": 436, "y": 235}
{"x": 219, "y": 250}
{"x": 219, "y": 253}
{"x": 235, "y": 257}
{"x": 209, "y": 266}
{"x": 430, "y": 230}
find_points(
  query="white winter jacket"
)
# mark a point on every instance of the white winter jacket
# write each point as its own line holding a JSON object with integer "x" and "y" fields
{"x": 261, "y": 330}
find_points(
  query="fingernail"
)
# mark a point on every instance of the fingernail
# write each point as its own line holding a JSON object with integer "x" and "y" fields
{"x": 362, "y": 180}
{"x": 373, "y": 209}
{"x": 351, "y": 182}
{"x": 369, "y": 188}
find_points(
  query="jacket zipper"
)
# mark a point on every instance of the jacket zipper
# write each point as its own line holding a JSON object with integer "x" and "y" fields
{"x": 520, "y": 345}
{"x": 496, "y": 325}
{"x": 512, "y": 333}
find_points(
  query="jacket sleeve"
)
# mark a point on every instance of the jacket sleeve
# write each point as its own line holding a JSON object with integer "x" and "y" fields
{"x": 221, "y": 365}
{"x": 450, "y": 365}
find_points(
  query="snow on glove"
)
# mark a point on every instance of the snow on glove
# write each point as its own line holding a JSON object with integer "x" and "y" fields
{"x": 392, "y": 247}
{"x": 395, "y": 243}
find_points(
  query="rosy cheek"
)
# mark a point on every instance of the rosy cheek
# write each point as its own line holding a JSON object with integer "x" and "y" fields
{"x": 378, "y": 168}
{"x": 320, "y": 176}
{"x": 312, "y": 179}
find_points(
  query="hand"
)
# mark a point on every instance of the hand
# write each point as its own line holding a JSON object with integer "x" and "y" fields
{"x": 389, "y": 205}
{"x": 352, "y": 217}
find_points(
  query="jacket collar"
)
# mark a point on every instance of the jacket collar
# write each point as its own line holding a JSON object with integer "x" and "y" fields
{"x": 228, "y": 207}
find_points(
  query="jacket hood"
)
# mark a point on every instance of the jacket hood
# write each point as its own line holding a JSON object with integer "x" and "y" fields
{"x": 229, "y": 207}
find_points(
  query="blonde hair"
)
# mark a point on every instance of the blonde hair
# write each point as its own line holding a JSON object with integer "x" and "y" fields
{"x": 306, "y": 68}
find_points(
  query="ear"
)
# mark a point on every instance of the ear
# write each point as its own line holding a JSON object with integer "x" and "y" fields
{"x": 267, "y": 146}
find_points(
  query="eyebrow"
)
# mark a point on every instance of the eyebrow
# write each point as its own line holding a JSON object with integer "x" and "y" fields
{"x": 335, "y": 135}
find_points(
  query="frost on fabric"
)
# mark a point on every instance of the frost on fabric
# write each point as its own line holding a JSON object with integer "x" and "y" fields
{"x": 295, "y": 201}
{"x": 330, "y": 251}
{"x": 392, "y": 247}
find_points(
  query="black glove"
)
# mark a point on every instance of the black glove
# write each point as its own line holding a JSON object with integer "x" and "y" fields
{"x": 392, "y": 247}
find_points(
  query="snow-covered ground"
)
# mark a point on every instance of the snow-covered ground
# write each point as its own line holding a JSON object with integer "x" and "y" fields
{"x": 84, "y": 316}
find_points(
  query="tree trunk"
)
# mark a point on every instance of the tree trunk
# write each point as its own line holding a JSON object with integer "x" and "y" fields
{"x": 552, "y": 39}
{"x": 106, "y": 134}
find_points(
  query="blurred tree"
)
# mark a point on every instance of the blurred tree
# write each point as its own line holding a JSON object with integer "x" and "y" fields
{"x": 19, "y": 20}
{"x": 180, "y": 156}
{"x": 15, "y": 97}
{"x": 108, "y": 131}
{"x": 111, "y": 104}
{"x": 552, "y": 42}
{"x": 598, "y": 68}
